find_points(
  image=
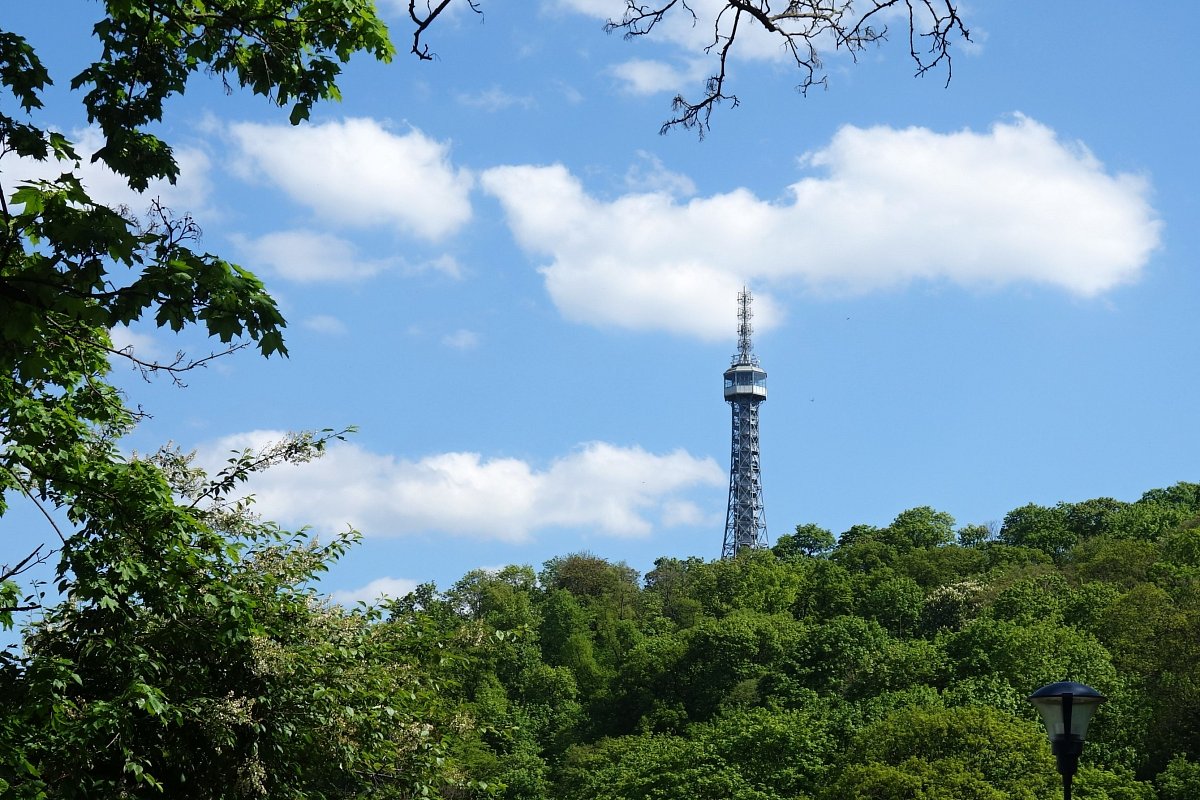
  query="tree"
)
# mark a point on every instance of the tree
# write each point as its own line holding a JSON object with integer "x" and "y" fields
{"x": 226, "y": 677}
{"x": 809, "y": 540}
{"x": 71, "y": 268}
{"x": 895, "y": 601}
{"x": 951, "y": 753}
{"x": 964, "y": 754}
{"x": 754, "y": 580}
{"x": 1040, "y": 527}
{"x": 803, "y": 28}
{"x": 975, "y": 535}
{"x": 781, "y": 753}
{"x": 1180, "y": 780}
{"x": 189, "y": 654}
{"x": 650, "y": 767}
{"x": 920, "y": 527}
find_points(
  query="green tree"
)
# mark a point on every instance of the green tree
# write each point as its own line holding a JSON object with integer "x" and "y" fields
{"x": 895, "y": 601}
{"x": 808, "y": 540}
{"x": 832, "y": 658}
{"x": 1043, "y": 528}
{"x": 226, "y": 677}
{"x": 1120, "y": 562}
{"x": 588, "y": 576}
{"x": 71, "y": 268}
{"x": 754, "y": 581}
{"x": 938, "y": 566}
{"x": 1180, "y": 780}
{"x": 670, "y": 586}
{"x": 781, "y": 753}
{"x": 947, "y": 754}
{"x": 1032, "y": 600}
{"x": 827, "y": 591}
{"x": 974, "y": 535}
{"x": 920, "y": 527}
{"x": 650, "y": 767}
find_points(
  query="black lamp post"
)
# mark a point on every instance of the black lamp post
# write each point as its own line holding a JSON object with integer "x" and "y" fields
{"x": 1066, "y": 708}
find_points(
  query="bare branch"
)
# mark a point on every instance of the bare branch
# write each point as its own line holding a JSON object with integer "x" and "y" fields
{"x": 30, "y": 561}
{"x": 25, "y": 490}
{"x": 175, "y": 368}
{"x": 640, "y": 20}
{"x": 803, "y": 27}
{"x": 426, "y": 18}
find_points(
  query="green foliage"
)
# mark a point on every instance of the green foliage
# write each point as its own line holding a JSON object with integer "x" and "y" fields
{"x": 896, "y": 667}
{"x": 191, "y": 657}
{"x": 808, "y": 541}
{"x": 920, "y": 527}
{"x": 217, "y": 672}
{"x": 895, "y": 601}
{"x": 651, "y": 767}
{"x": 1180, "y": 780}
{"x": 780, "y": 753}
{"x": 947, "y": 753}
{"x": 1042, "y": 528}
{"x": 71, "y": 269}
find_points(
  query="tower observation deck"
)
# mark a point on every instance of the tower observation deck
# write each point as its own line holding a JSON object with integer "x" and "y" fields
{"x": 745, "y": 388}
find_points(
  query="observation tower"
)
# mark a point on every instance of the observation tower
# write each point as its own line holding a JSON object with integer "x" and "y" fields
{"x": 745, "y": 388}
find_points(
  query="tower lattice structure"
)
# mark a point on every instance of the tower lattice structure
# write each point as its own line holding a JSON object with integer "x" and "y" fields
{"x": 745, "y": 389}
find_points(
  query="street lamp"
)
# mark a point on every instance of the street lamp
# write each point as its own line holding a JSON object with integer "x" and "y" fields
{"x": 1066, "y": 708}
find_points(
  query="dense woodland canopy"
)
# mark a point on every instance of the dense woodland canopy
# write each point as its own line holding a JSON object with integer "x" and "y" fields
{"x": 184, "y": 651}
{"x": 893, "y": 663}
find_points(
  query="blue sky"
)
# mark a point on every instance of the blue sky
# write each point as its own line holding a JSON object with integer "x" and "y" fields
{"x": 970, "y": 297}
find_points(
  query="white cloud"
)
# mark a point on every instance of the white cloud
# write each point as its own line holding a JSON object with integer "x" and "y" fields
{"x": 309, "y": 257}
{"x": 1013, "y": 204}
{"x": 461, "y": 339}
{"x": 375, "y": 591}
{"x": 359, "y": 173}
{"x": 684, "y": 512}
{"x": 495, "y": 99}
{"x": 326, "y": 324}
{"x": 445, "y": 264}
{"x": 649, "y": 76}
{"x": 189, "y": 194}
{"x": 619, "y": 491}
{"x": 141, "y": 345}
{"x": 651, "y": 175}
{"x": 692, "y": 34}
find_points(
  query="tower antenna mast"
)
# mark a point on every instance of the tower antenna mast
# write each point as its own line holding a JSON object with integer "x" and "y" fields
{"x": 745, "y": 389}
{"x": 745, "y": 329}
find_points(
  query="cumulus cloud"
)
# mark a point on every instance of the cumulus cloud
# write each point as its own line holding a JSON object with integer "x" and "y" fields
{"x": 619, "y": 491}
{"x": 650, "y": 76}
{"x": 308, "y": 257}
{"x": 1012, "y": 204}
{"x": 375, "y": 591}
{"x": 359, "y": 173}
{"x": 190, "y": 193}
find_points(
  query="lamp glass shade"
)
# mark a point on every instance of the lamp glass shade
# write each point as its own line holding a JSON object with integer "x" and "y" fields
{"x": 1051, "y": 702}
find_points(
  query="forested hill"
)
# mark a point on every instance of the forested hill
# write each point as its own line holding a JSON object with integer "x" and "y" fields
{"x": 889, "y": 664}
{"x": 892, "y": 664}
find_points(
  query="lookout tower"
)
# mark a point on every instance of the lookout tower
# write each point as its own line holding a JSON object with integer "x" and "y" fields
{"x": 745, "y": 388}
